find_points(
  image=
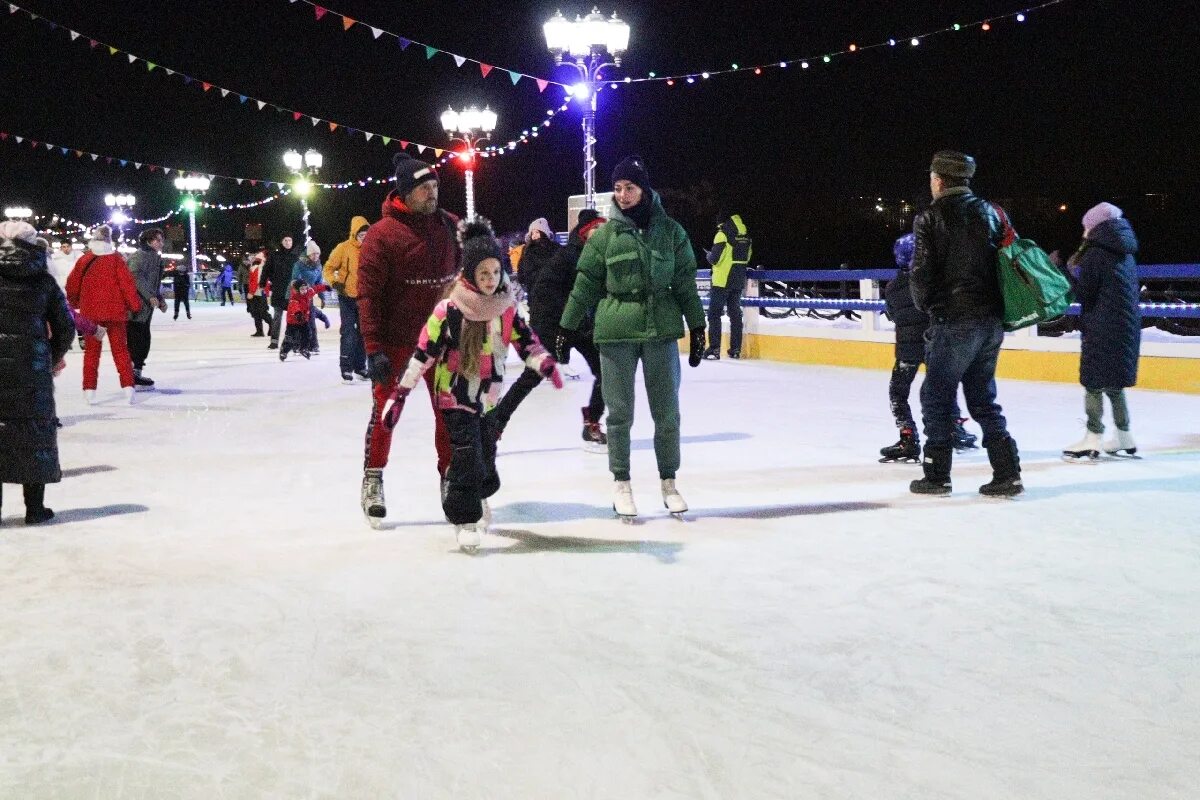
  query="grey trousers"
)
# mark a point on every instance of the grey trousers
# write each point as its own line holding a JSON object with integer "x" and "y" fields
{"x": 1093, "y": 404}
{"x": 660, "y": 372}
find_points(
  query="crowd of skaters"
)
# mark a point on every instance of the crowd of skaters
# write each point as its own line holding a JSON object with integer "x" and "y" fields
{"x": 426, "y": 298}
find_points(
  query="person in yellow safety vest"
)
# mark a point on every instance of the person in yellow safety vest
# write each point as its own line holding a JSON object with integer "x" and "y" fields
{"x": 730, "y": 257}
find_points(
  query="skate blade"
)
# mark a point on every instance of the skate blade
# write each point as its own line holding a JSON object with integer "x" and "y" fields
{"x": 1131, "y": 454}
{"x": 628, "y": 519}
{"x": 376, "y": 523}
{"x": 598, "y": 449}
{"x": 469, "y": 549}
{"x": 888, "y": 460}
{"x": 1081, "y": 457}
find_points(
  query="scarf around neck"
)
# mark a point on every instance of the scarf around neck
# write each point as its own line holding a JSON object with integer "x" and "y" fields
{"x": 479, "y": 307}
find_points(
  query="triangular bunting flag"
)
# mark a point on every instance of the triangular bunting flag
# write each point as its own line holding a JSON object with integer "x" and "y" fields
{"x": 485, "y": 69}
{"x": 514, "y": 77}
{"x": 332, "y": 127}
{"x": 112, "y": 51}
{"x": 254, "y": 182}
{"x": 150, "y": 65}
{"x": 376, "y": 32}
{"x": 3, "y": 136}
{"x": 108, "y": 159}
{"x": 460, "y": 60}
{"x": 430, "y": 51}
{"x": 132, "y": 58}
{"x": 420, "y": 148}
{"x": 315, "y": 120}
{"x": 387, "y": 140}
{"x": 124, "y": 163}
{"x": 206, "y": 85}
{"x": 404, "y": 43}
{"x": 260, "y": 104}
{"x": 137, "y": 165}
{"x": 224, "y": 93}
{"x": 403, "y": 145}
{"x": 12, "y": 9}
{"x": 154, "y": 168}
{"x": 92, "y": 43}
{"x": 169, "y": 71}
{"x": 187, "y": 80}
{"x": 437, "y": 153}
{"x": 95, "y": 156}
{"x": 239, "y": 181}
{"x": 19, "y": 139}
{"x": 74, "y": 35}
{"x": 48, "y": 145}
{"x": 79, "y": 154}
{"x": 347, "y": 23}
{"x": 64, "y": 150}
{"x": 368, "y": 134}
{"x": 243, "y": 98}
{"x": 296, "y": 115}
{"x": 542, "y": 84}
{"x": 320, "y": 12}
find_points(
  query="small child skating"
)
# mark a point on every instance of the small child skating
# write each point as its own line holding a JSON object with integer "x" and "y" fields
{"x": 465, "y": 340}
{"x": 911, "y": 324}
{"x": 300, "y": 313}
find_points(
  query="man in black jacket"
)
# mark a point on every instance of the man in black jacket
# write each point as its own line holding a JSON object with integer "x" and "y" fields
{"x": 953, "y": 279}
{"x": 279, "y": 273}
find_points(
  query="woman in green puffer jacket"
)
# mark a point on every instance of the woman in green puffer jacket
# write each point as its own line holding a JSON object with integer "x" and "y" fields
{"x": 638, "y": 272}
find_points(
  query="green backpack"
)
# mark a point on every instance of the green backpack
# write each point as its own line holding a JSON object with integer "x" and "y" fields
{"x": 1034, "y": 289}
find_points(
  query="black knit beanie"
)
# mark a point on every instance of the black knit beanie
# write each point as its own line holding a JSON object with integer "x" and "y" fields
{"x": 479, "y": 243}
{"x": 410, "y": 173}
{"x": 632, "y": 169}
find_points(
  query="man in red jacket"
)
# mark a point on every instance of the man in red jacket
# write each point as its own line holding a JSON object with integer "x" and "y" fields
{"x": 406, "y": 262}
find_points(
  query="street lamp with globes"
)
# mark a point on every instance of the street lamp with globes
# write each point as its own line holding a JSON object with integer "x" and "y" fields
{"x": 305, "y": 168}
{"x": 119, "y": 216}
{"x": 191, "y": 186}
{"x": 470, "y": 126}
{"x": 589, "y": 45}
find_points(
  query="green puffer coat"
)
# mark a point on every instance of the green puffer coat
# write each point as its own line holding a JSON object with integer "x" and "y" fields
{"x": 640, "y": 284}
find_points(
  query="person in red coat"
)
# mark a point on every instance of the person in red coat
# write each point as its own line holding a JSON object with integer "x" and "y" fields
{"x": 102, "y": 288}
{"x": 407, "y": 260}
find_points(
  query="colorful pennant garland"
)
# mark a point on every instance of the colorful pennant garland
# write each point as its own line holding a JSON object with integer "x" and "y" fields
{"x": 984, "y": 25}
{"x": 319, "y": 12}
{"x": 225, "y": 92}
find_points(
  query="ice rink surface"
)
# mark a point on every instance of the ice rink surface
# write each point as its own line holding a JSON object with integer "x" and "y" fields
{"x": 210, "y": 617}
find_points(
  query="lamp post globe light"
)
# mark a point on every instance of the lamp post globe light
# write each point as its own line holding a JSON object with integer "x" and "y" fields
{"x": 118, "y": 216}
{"x": 18, "y": 212}
{"x": 470, "y": 126}
{"x": 192, "y": 185}
{"x": 305, "y": 168}
{"x": 589, "y": 45}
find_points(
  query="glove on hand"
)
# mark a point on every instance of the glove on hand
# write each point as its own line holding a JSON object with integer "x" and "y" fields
{"x": 562, "y": 351}
{"x": 697, "y": 348}
{"x": 549, "y": 369}
{"x": 379, "y": 367}
{"x": 392, "y": 407}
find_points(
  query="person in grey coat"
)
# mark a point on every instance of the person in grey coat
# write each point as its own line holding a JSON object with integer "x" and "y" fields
{"x": 1106, "y": 285}
{"x": 35, "y": 333}
{"x": 147, "y": 268}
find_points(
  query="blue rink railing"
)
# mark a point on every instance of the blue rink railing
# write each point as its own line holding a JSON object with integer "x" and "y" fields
{"x": 1184, "y": 272}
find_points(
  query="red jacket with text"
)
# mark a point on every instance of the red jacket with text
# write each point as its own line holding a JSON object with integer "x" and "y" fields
{"x": 405, "y": 264}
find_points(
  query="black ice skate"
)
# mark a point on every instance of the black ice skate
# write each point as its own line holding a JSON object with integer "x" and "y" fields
{"x": 936, "y": 464}
{"x": 594, "y": 438}
{"x": 712, "y": 354}
{"x": 905, "y": 451}
{"x": 962, "y": 438}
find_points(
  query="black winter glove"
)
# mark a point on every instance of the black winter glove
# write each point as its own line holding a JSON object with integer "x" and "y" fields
{"x": 696, "y": 352}
{"x": 562, "y": 350}
{"x": 379, "y": 367}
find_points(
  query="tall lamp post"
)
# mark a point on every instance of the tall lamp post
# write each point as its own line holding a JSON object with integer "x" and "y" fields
{"x": 589, "y": 45}
{"x": 191, "y": 186}
{"x": 470, "y": 126}
{"x": 119, "y": 216}
{"x": 305, "y": 168}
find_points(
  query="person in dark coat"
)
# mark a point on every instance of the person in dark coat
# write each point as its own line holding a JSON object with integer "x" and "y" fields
{"x": 35, "y": 333}
{"x": 911, "y": 324}
{"x": 546, "y": 304}
{"x": 279, "y": 276}
{"x": 1106, "y": 286}
{"x": 146, "y": 265}
{"x": 540, "y": 249}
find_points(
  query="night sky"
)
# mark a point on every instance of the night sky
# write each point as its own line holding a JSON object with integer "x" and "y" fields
{"x": 1085, "y": 101}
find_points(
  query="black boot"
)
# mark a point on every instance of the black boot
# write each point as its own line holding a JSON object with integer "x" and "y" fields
{"x": 1006, "y": 470}
{"x": 963, "y": 439}
{"x": 35, "y": 504}
{"x": 937, "y": 472}
{"x": 713, "y": 353}
{"x": 907, "y": 450}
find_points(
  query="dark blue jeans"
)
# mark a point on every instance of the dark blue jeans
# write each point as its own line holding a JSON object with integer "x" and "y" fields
{"x": 961, "y": 351}
{"x": 354, "y": 352}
